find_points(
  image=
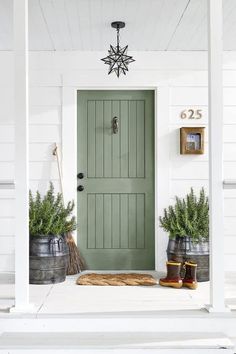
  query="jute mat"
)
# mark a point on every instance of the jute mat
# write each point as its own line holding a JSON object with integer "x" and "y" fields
{"x": 121, "y": 279}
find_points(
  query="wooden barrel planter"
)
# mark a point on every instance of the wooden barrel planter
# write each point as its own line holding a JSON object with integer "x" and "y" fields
{"x": 48, "y": 259}
{"x": 182, "y": 249}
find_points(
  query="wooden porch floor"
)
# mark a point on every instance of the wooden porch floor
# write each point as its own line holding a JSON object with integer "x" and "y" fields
{"x": 69, "y": 298}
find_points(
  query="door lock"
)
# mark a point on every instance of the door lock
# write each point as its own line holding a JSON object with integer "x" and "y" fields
{"x": 80, "y": 188}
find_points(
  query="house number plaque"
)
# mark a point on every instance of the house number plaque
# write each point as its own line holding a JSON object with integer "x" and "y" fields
{"x": 191, "y": 114}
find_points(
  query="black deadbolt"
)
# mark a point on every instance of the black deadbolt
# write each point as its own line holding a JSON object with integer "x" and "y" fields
{"x": 80, "y": 175}
{"x": 80, "y": 188}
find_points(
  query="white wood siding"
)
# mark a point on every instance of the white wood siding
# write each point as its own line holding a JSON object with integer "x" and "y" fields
{"x": 187, "y": 171}
{"x": 188, "y": 89}
{"x": 45, "y": 129}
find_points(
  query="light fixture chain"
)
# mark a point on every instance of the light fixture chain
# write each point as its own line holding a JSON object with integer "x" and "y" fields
{"x": 118, "y": 37}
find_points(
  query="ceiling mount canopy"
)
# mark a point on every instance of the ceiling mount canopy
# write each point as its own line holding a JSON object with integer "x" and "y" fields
{"x": 118, "y": 24}
{"x": 118, "y": 59}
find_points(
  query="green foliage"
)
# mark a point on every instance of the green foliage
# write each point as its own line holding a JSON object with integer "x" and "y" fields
{"x": 48, "y": 215}
{"x": 188, "y": 217}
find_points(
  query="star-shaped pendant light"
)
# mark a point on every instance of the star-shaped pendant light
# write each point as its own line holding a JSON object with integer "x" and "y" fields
{"x": 118, "y": 59}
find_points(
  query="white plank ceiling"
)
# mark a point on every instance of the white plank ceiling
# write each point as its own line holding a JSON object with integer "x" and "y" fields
{"x": 85, "y": 24}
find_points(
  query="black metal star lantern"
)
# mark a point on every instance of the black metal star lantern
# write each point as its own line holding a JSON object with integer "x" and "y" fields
{"x": 118, "y": 59}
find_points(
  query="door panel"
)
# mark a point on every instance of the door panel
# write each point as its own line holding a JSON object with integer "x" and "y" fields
{"x": 116, "y": 221}
{"x": 116, "y": 207}
{"x": 115, "y": 155}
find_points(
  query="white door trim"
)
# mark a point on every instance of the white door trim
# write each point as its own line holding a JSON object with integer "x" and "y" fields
{"x": 161, "y": 159}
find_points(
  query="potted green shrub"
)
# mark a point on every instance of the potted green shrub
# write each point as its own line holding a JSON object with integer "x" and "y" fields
{"x": 49, "y": 221}
{"x": 187, "y": 222}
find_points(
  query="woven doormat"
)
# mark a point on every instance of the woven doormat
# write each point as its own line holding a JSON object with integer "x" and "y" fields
{"x": 132, "y": 279}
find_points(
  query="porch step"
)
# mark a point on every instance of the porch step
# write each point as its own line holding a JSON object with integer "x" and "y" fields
{"x": 130, "y": 343}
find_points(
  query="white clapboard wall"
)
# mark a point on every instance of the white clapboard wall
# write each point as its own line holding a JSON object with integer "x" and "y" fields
{"x": 45, "y": 129}
{"x": 188, "y": 89}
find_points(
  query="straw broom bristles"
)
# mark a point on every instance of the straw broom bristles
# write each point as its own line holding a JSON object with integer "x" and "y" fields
{"x": 75, "y": 262}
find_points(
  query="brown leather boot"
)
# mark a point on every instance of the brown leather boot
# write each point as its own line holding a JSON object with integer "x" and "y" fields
{"x": 190, "y": 278}
{"x": 173, "y": 278}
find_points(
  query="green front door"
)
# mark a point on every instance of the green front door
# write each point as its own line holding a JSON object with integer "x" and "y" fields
{"x": 116, "y": 205}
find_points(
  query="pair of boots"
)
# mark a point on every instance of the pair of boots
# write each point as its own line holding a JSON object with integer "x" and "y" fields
{"x": 173, "y": 278}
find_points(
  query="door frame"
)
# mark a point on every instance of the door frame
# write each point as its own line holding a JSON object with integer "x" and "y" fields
{"x": 161, "y": 153}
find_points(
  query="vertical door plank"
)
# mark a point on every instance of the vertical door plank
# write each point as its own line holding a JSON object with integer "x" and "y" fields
{"x": 91, "y": 221}
{"x": 107, "y": 146}
{"x": 115, "y": 221}
{"x": 140, "y": 139}
{"x": 116, "y": 141}
{"x": 108, "y": 221}
{"x": 124, "y": 227}
{"x": 99, "y": 221}
{"x": 124, "y": 146}
{"x": 82, "y": 131}
{"x": 132, "y": 221}
{"x": 99, "y": 139}
{"x": 91, "y": 139}
{"x": 140, "y": 220}
{"x": 132, "y": 139}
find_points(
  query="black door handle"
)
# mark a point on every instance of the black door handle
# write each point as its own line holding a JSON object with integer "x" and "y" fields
{"x": 80, "y": 175}
{"x": 80, "y": 188}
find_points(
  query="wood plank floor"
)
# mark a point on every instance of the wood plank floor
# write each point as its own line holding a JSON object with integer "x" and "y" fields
{"x": 69, "y": 298}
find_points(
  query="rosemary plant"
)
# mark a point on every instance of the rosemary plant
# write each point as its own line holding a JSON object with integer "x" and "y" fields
{"x": 188, "y": 217}
{"x": 48, "y": 215}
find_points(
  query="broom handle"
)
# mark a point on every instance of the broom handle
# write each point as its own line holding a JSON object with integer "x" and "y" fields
{"x": 74, "y": 256}
{"x": 55, "y": 153}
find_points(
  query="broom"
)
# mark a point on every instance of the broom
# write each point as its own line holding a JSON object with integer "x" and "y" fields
{"x": 75, "y": 262}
